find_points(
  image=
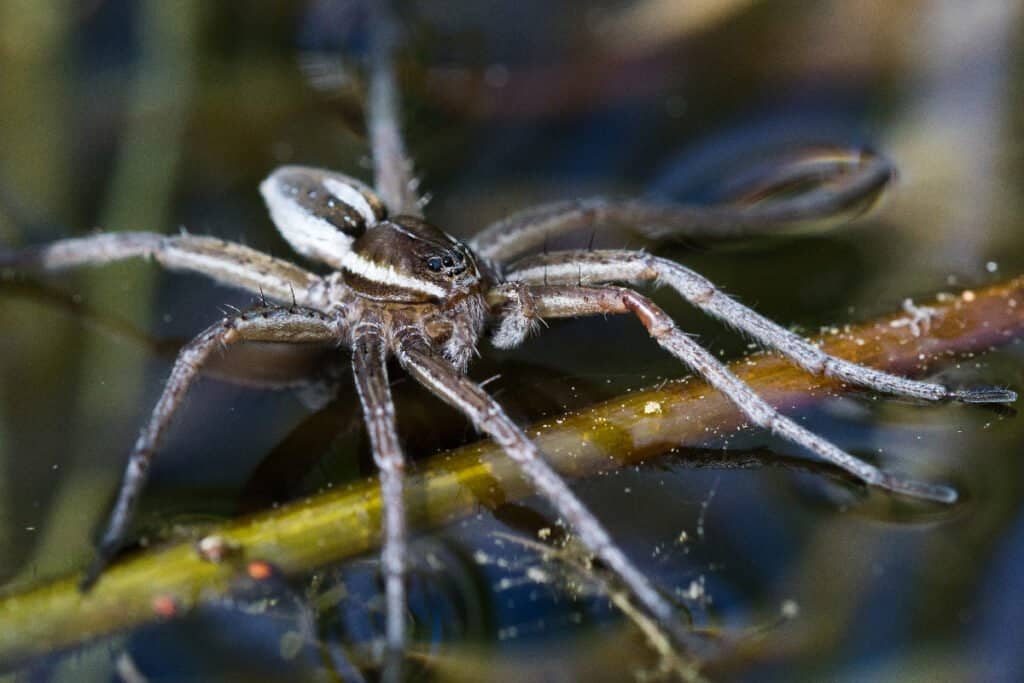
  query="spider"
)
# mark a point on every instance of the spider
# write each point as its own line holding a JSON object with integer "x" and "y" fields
{"x": 401, "y": 287}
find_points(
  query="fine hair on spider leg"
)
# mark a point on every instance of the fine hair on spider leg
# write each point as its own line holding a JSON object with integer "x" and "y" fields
{"x": 601, "y": 267}
{"x": 369, "y": 366}
{"x": 400, "y": 287}
{"x": 552, "y": 301}
{"x": 270, "y": 324}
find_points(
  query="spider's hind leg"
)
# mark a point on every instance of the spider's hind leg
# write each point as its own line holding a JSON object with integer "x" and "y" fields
{"x": 392, "y": 167}
{"x": 842, "y": 180}
{"x": 267, "y": 324}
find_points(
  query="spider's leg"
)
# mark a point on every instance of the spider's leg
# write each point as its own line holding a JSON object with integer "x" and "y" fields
{"x": 369, "y": 365}
{"x": 857, "y": 181}
{"x": 292, "y": 325}
{"x": 226, "y": 262}
{"x": 392, "y": 167}
{"x": 442, "y": 379}
{"x": 598, "y": 267}
{"x": 574, "y": 301}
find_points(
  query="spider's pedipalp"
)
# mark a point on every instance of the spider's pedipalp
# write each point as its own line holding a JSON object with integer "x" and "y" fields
{"x": 573, "y": 301}
{"x": 518, "y": 317}
{"x": 432, "y": 371}
{"x": 266, "y": 325}
{"x": 599, "y": 267}
{"x": 369, "y": 366}
{"x": 226, "y": 262}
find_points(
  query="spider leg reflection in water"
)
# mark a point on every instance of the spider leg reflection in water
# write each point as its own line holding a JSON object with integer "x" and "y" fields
{"x": 401, "y": 287}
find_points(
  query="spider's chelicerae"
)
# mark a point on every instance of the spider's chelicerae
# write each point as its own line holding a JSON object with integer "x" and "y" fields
{"x": 399, "y": 286}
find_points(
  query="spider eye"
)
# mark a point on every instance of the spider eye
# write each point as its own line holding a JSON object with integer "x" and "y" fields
{"x": 435, "y": 263}
{"x": 448, "y": 262}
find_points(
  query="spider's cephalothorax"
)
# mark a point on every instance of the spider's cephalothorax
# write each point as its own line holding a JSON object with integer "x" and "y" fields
{"x": 397, "y": 274}
{"x": 407, "y": 260}
{"x": 410, "y": 275}
{"x": 399, "y": 287}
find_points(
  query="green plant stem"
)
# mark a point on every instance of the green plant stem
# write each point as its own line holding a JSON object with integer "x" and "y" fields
{"x": 342, "y": 523}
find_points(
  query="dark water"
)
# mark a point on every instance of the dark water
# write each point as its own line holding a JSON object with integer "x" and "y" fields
{"x": 157, "y": 115}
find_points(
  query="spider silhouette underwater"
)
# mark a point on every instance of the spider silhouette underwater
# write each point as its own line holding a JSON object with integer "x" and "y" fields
{"x": 400, "y": 287}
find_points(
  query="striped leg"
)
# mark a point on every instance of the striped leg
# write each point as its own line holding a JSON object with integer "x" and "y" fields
{"x": 264, "y": 324}
{"x": 441, "y": 378}
{"x": 574, "y": 301}
{"x": 849, "y": 181}
{"x": 392, "y": 167}
{"x": 598, "y": 267}
{"x": 369, "y": 365}
{"x": 226, "y": 262}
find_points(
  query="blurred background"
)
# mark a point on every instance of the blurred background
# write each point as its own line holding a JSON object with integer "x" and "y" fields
{"x": 150, "y": 115}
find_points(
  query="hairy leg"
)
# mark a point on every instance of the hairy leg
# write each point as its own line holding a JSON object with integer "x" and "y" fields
{"x": 441, "y": 378}
{"x": 848, "y": 183}
{"x": 393, "y": 177}
{"x": 369, "y": 365}
{"x": 268, "y": 324}
{"x": 599, "y": 267}
{"x": 575, "y": 301}
{"x": 226, "y": 262}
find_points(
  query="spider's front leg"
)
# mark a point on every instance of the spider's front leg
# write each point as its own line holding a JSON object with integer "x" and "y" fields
{"x": 267, "y": 324}
{"x": 369, "y": 365}
{"x": 575, "y": 301}
{"x": 604, "y": 266}
{"x": 430, "y": 368}
{"x": 226, "y": 262}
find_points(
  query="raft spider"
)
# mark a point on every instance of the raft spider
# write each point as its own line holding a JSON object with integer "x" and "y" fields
{"x": 402, "y": 287}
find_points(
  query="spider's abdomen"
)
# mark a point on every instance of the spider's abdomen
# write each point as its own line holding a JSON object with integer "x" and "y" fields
{"x": 320, "y": 212}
